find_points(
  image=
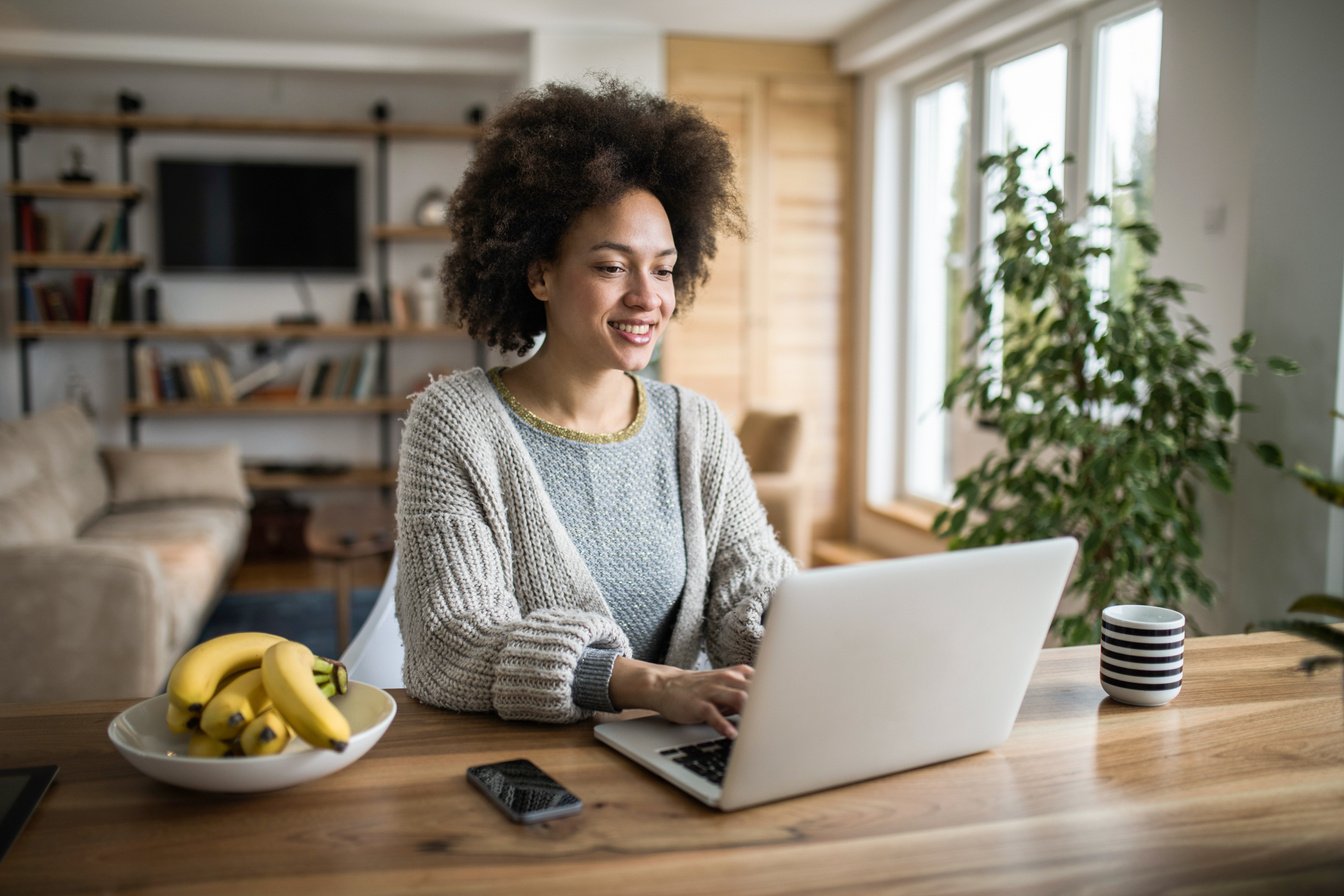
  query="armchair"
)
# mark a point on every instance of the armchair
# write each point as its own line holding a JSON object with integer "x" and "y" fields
{"x": 773, "y": 442}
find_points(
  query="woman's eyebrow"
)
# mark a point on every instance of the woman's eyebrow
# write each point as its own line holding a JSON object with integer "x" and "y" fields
{"x": 622, "y": 247}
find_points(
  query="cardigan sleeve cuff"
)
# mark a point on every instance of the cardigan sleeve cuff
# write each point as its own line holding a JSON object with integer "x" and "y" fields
{"x": 592, "y": 679}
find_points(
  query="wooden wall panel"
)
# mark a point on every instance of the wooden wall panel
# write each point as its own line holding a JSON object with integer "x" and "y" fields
{"x": 771, "y": 327}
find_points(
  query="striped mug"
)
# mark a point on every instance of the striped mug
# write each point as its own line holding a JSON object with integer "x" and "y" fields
{"x": 1142, "y": 654}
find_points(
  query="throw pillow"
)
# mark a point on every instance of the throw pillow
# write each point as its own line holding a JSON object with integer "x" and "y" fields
{"x": 145, "y": 475}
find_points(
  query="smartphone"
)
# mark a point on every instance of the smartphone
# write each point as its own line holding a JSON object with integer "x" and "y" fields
{"x": 523, "y": 792}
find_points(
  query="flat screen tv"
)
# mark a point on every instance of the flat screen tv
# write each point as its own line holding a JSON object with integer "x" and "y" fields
{"x": 259, "y": 217}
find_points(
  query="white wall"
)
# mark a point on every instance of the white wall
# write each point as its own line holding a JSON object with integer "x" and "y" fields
{"x": 636, "y": 56}
{"x": 1287, "y": 543}
{"x": 1201, "y": 207}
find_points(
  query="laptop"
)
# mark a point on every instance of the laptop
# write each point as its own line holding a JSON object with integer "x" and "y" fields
{"x": 870, "y": 669}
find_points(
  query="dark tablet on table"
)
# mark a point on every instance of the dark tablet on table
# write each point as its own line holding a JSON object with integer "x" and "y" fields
{"x": 20, "y": 791}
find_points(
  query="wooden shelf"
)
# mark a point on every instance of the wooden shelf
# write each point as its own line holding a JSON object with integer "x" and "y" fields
{"x": 355, "y": 477}
{"x": 26, "y": 330}
{"x": 273, "y": 406}
{"x": 58, "y": 190}
{"x": 197, "y": 332}
{"x": 288, "y": 127}
{"x": 412, "y": 233}
{"x": 264, "y": 407}
{"x": 108, "y": 261}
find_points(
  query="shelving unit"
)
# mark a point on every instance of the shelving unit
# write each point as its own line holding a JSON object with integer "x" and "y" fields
{"x": 128, "y": 122}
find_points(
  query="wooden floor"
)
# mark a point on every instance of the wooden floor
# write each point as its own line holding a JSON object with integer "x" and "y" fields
{"x": 304, "y": 574}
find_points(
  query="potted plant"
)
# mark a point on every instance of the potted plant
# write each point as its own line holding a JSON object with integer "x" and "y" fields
{"x": 1109, "y": 406}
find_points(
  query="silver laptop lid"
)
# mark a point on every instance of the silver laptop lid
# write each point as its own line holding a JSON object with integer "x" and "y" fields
{"x": 880, "y": 667}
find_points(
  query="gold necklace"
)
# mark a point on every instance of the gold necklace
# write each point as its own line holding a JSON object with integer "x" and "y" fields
{"x": 592, "y": 438}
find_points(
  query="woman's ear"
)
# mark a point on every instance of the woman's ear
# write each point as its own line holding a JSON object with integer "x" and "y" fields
{"x": 537, "y": 274}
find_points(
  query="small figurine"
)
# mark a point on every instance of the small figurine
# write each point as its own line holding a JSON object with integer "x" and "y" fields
{"x": 76, "y": 174}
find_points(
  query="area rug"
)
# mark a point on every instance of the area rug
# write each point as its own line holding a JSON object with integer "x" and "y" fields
{"x": 306, "y": 616}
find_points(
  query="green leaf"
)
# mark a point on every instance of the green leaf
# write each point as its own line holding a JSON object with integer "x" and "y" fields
{"x": 1319, "y": 484}
{"x": 1242, "y": 344}
{"x": 1224, "y": 404}
{"x": 1323, "y": 604}
{"x": 1284, "y": 366}
{"x": 1269, "y": 453}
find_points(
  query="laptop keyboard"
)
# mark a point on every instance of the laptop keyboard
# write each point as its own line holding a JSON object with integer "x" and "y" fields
{"x": 709, "y": 759}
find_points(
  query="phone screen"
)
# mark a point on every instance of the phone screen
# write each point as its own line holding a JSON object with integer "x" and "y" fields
{"x": 524, "y": 792}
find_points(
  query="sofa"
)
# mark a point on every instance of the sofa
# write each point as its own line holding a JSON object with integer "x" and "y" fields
{"x": 110, "y": 559}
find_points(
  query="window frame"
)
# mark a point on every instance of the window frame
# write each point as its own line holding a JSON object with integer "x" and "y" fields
{"x": 966, "y": 72}
{"x": 884, "y": 470}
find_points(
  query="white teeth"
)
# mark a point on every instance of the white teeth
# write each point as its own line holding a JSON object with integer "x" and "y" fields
{"x": 636, "y": 329}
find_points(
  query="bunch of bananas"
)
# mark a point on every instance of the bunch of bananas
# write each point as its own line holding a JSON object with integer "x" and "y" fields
{"x": 250, "y": 693}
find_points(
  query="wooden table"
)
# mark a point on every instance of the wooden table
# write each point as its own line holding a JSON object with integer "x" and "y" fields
{"x": 341, "y": 533}
{"x": 1237, "y": 785}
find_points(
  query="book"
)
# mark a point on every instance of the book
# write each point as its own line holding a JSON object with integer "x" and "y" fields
{"x": 198, "y": 379}
{"x": 146, "y": 375}
{"x": 95, "y": 237}
{"x": 250, "y": 382}
{"x": 31, "y": 313}
{"x": 81, "y": 286}
{"x": 104, "y": 296}
{"x": 368, "y": 373}
{"x": 221, "y": 381}
{"x": 121, "y": 299}
{"x": 111, "y": 236}
{"x": 340, "y": 372}
{"x": 28, "y": 227}
{"x": 168, "y": 389}
{"x": 52, "y": 300}
{"x": 181, "y": 388}
{"x": 307, "y": 377}
{"x": 320, "y": 383}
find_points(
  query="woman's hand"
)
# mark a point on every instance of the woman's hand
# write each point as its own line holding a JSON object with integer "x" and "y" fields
{"x": 687, "y": 698}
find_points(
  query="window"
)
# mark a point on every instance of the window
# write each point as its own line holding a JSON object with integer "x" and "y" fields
{"x": 1124, "y": 132}
{"x": 1099, "y": 106}
{"x": 936, "y": 278}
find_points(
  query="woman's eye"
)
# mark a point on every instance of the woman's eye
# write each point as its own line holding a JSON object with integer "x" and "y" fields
{"x": 663, "y": 273}
{"x": 610, "y": 268}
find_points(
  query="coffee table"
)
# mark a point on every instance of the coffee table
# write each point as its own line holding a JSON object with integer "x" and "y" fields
{"x": 342, "y": 532}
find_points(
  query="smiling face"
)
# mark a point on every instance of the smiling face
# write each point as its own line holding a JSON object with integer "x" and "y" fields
{"x": 608, "y": 291}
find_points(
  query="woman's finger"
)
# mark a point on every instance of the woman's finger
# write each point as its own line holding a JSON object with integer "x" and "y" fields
{"x": 716, "y": 720}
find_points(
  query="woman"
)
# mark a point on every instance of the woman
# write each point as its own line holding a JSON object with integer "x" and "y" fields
{"x": 572, "y": 537}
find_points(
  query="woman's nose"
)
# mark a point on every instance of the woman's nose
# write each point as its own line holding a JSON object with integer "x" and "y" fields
{"x": 644, "y": 292}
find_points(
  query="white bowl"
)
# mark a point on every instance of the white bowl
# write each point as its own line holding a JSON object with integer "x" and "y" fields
{"x": 141, "y": 735}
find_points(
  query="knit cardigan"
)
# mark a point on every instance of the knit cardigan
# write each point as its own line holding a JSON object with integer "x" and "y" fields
{"x": 495, "y": 604}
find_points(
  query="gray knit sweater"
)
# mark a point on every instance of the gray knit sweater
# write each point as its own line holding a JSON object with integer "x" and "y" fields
{"x": 620, "y": 505}
{"x": 494, "y": 602}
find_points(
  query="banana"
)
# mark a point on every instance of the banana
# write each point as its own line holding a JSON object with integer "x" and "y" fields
{"x": 287, "y": 669}
{"x": 204, "y": 746}
{"x": 265, "y": 735}
{"x": 180, "y": 721}
{"x": 234, "y": 705}
{"x": 196, "y": 676}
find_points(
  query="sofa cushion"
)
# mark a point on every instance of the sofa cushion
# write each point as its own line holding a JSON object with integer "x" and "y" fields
{"x": 34, "y": 514}
{"x": 19, "y": 465}
{"x": 148, "y": 475}
{"x": 195, "y": 545}
{"x": 61, "y": 443}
